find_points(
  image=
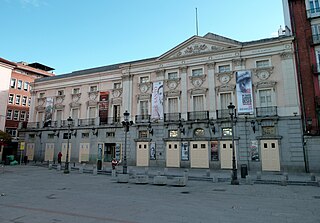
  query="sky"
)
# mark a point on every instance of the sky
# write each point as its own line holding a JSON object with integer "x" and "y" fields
{"x": 71, "y": 35}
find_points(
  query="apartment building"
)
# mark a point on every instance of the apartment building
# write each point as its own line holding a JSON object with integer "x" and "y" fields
{"x": 16, "y": 98}
{"x": 178, "y": 103}
{"x": 302, "y": 18}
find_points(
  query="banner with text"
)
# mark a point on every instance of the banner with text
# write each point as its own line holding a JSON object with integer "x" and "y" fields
{"x": 157, "y": 100}
{"x": 244, "y": 92}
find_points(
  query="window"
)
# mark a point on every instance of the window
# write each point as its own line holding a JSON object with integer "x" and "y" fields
{"x": 75, "y": 113}
{"x": 117, "y": 85}
{"x": 9, "y": 114}
{"x": 144, "y": 105}
{"x": 60, "y": 92}
{"x": 224, "y": 68}
{"x": 12, "y": 132}
{"x": 314, "y": 6}
{"x": 59, "y": 115}
{"x": 26, "y": 86}
{"x": 110, "y": 134}
{"x": 144, "y": 79}
{"x": 40, "y": 116}
{"x": 173, "y": 75}
{"x": 92, "y": 112}
{"x": 143, "y": 134}
{"x": 29, "y": 101}
{"x": 11, "y": 96}
{"x": 116, "y": 113}
{"x": 27, "y": 116}
{"x": 265, "y": 98}
{"x": 19, "y": 84}
{"x": 23, "y": 115}
{"x": 16, "y": 115}
{"x": 173, "y": 133}
{"x": 316, "y": 33}
{"x": 51, "y": 136}
{"x": 24, "y": 100}
{"x": 76, "y": 91}
{"x": 197, "y": 72}
{"x": 41, "y": 95}
{"x": 198, "y": 103}
{"x": 227, "y": 131}
{"x": 13, "y": 83}
{"x": 93, "y": 88}
{"x": 225, "y": 99}
{"x": 173, "y": 105}
{"x": 18, "y": 98}
{"x": 262, "y": 63}
{"x": 85, "y": 135}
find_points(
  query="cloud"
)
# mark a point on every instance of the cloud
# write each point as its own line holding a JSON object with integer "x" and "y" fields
{"x": 34, "y": 3}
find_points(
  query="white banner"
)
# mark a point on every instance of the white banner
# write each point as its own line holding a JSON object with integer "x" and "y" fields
{"x": 157, "y": 100}
{"x": 49, "y": 109}
{"x": 244, "y": 92}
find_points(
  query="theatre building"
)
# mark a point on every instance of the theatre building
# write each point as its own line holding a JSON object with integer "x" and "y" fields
{"x": 178, "y": 103}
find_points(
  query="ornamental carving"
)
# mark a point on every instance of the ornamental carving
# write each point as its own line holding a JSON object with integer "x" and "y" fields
{"x": 172, "y": 94}
{"x": 266, "y": 84}
{"x": 76, "y": 97}
{"x": 40, "y": 108}
{"x": 225, "y": 88}
{"x": 197, "y": 48}
{"x": 117, "y": 92}
{"x": 93, "y": 95}
{"x": 41, "y": 101}
{"x": 224, "y": 77}
{"x": 286, "y": 55}
{"x": 263, "y": 73}
{"x": 172, "y": 84}
{"x": 197, "y": 91}
{"x": 197, "y": 81}
{"x": 144, "y": 87}
{"x": 59, "y": 99}
{"x": 116, "y": 101}
{"x": 75, "y": 105}
{"x": 58, "y": 106}
{"x": 239, "y": 62}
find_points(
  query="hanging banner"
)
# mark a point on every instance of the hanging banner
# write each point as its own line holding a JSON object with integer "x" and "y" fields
{"x": 254, "y": 152}
{"x": 157, "y": 100}
{"x": 104, "y": 107}
{"x": 184, "y": 151}
{"x": 152, "y": 150}
{"x": 118, "y": 152}
{"x": 244, "y": 92}
{"x": 48, "y": 110}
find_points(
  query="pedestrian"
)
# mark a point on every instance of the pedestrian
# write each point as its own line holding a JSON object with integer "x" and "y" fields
{"x": 59, "y": 157}
{"x": 114, "y": 163}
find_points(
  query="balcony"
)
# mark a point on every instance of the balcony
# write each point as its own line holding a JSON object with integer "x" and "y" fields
{"x": 86, "y": 122}
{"x": 33, "y": 125}
{"x": 142, "y": 118}
{"x": 198, "y": 115}
{"x": 110, "y": 121}
{"x": 172, "y": 117}
{"x": 224, "y": 113}
{"x": 313, "y": 13}
{"x": 266, "y": 111}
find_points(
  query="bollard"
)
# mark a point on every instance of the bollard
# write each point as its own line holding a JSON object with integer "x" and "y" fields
{"x": 258, "y": 175}
{"x": 248, "y": 180}
{"x": 284, "y": 181}
{"x": 59, "y": 167}
{"x": 113, "y": 174}
{"x": 186, "y": 173}
{"x": 95, "y": 171}
{"x": 313, "y": 177}
{"x": 165, "y": 171}
{"x": 208, "y": 173}
{"x": 50, "y": 166}
{"x": 158, "y": 173}
{"x": 81, "y": 169}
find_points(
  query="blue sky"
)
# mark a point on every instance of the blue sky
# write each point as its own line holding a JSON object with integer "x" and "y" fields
{"x": 71, "y": 35}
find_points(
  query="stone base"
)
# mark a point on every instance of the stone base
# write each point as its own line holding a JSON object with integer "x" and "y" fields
{"x": 160, "y": 180}
{"x": 142, "y": 179}
{"x": 123, "y": 178}
{"x": 179, "y": 181}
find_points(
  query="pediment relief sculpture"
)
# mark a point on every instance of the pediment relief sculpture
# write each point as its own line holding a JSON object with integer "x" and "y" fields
{"x": 76, "y": 97}
{"x": 93, "y": 95}
{"x": 197, "y": 48}
{"x": 116, "y": 101}
{"x": 117, "y": 92}
{"x": 224, "y": 77}
{"x": 263, "y": 73}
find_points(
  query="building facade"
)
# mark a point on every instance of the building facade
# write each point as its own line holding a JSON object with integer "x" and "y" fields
{"x": 178, "y": 103}
{"x": 302, "y": 18}
{"x": 16, "y": 98}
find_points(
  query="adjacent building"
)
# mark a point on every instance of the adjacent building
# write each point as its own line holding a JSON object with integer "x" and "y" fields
{"x": 302, "y": 18}
{"x": 15, "y": 97}
{"x": 178, "y": 103}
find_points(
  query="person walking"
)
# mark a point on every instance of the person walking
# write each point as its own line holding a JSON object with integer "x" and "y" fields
{"x": 59, "y": 157}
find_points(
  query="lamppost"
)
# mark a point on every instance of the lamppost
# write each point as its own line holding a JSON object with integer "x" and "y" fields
{"x": 66, "y": 166}
{"x": 234, "y": 180}
{"x": 126, "y": 123}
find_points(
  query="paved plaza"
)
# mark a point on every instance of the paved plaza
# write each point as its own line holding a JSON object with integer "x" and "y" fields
{"x": 31, "y": 194}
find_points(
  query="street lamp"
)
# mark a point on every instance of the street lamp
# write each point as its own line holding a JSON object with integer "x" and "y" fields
{"x": 234, "y": 180}
{"x": 66, "y": 166}
{"x": 126, "y": 125}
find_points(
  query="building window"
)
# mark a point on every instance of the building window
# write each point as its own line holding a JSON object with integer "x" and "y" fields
{"x": 75, "y": 113}
{"x": 9, "y": 114}
{"x": 262, "y": 63}
{"x": 110, "y": 134}
{"x": 226, "y": 131}
{"x": 18, "y": 99}
{"x": 85, "y": 135}
{"x": 314, "y": 6}
{"x": 224, "y": 68}
{"x": 225, "y": 100}
{"x": 92, "y": 112}
{"x": 93, "y": 88}
{"x": 198, "y": 103}
{"x": 60, "y": 92}
{"x": 117, "y": 85}
{"x": 11, "y": 96}
{"x": 27, "y": 116}
{"x": 265, "y": 98}
{"x": 41, "y": 95}
{"x": 22, "y": 115}
{"x": 76, "y": 91}
{"x": 24, "y": 100}
{"x": 12, "y": 132}
{"x": 143, "y": 134}
{"x": 173, "y": 133}
{"x": 144, "y": 107}
{"x": 197, "y": 72}
{"x": 16, "y": 115}
{"x": 29, "y": 101}
{"x": 13, "y": 83}
{"x": 173, "y": 75}
{"x": 19, "y": 84}
{"x": 173, "y": 105}
{"x": 26, "y": 86}
{"x": 144, "y": 79}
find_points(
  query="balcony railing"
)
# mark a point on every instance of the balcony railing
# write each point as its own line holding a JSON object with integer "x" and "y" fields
{"x": 198, "y": 115}
{"x": 224, "y": 113}
{"x": 142, "y": 118}
{"x": 171, "y": 117}
{"x": 312, "y": 13}
{"x": 86, "y": 122}
{"x": 266, "y": 111}
{"x": 33, "y": 125}
{"x": 110, "y": 121}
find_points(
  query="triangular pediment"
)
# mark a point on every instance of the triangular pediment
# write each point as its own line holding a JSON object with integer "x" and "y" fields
{"x": 200, "y": 45}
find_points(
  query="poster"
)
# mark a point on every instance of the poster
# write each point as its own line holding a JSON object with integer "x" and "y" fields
{"x": 99, "y": 151}
{"x": 104, "y": 107}
{"x": 184, "y": 151}
{"x": 118, "y": 151}
{"x": 254, "y": 152}
{"x": 48, "y": 112}
{"x": 157, "y": 100}
{"x": 244, "y": 92}
{"x": 214, "y": 151}
{"x": 152, "y": 150}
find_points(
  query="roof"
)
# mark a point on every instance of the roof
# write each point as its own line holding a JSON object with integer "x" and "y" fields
{"x": 40, "y": 66}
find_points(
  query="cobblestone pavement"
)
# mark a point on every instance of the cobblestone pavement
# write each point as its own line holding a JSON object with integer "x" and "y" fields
{"x": 36, "y": 194}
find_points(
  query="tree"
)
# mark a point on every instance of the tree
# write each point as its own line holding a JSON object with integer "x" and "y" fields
{"x": 5, "y": 138}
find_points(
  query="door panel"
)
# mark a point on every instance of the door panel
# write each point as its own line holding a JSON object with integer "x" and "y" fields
{"x": 226, "y": 154}
{"x": 49, "y": 151}
{"x": 199, "y": 154}
{"x": 270, "y": 155}
{"x": 64, "y": 152}
{"x": 173, "y": 154}
{"x": 142, "y": 153}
